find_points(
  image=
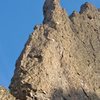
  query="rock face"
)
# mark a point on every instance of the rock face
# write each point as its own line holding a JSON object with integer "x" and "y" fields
{"x": 61, "y": 59}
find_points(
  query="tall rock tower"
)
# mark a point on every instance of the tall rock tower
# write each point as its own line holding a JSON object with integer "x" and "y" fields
{"x": 61, "y": 59}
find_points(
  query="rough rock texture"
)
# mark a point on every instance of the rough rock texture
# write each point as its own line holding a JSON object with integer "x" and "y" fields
{"x": 5, "y": 95}
{"x": 61, "y": 59}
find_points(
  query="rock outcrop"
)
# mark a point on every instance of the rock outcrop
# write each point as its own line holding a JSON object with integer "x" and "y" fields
{"x": 61, "y": 59}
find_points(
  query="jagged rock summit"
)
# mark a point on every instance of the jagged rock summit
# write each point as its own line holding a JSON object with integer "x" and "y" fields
{"x": 61, "y": 59}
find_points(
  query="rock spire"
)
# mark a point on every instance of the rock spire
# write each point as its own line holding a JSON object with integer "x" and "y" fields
{"x": 53, "y": 13}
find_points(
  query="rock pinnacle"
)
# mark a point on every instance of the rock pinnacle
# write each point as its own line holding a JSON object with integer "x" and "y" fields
{"x": 53, "y": 12}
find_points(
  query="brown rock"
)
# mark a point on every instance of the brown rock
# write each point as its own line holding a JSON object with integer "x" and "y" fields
{"x": 61, "y": 59}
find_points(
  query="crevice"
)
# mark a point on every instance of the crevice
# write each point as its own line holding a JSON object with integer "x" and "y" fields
{"x": 85, "y": 94}
{"x": 94, "y": 58}
{"x": 91, "y": 45}
{"x": 84, "y": 45}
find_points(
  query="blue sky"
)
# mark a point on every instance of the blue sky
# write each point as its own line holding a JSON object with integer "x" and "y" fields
{"x": 17, "y": 19}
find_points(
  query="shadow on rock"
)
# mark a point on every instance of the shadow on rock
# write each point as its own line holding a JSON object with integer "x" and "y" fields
{"x": 73, "y": 95}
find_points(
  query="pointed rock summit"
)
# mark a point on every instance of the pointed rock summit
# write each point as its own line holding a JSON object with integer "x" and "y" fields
{"x": 87, "y": 6}
{"x": 61, "y": 59}
{"x": 51, "y": 8}
{"x": 54, "y": 14}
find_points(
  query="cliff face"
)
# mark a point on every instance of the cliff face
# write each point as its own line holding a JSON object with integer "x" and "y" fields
{"x": 61, "y": 59}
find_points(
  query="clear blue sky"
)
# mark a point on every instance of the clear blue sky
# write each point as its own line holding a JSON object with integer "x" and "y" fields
{"x": 17, "y": 19}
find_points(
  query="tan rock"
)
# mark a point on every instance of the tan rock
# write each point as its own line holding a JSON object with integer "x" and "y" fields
{"x": 5, "y": 95}
{"x": 61, "y": 59}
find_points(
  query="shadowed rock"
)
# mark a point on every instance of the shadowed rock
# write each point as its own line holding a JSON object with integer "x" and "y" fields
{"x": 80, "y": 94}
